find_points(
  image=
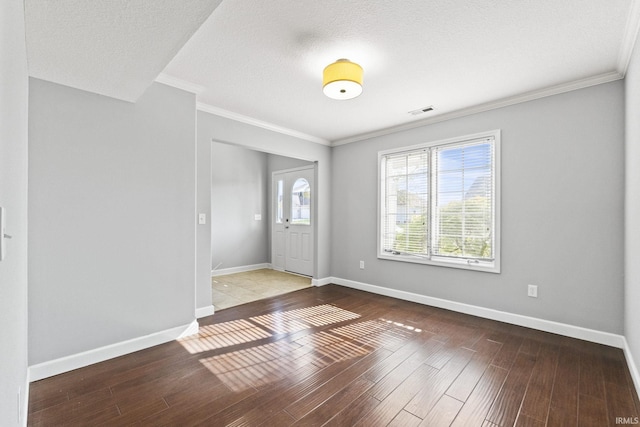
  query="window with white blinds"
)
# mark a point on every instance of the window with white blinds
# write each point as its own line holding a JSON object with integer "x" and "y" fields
{"x": 439, "y": 203}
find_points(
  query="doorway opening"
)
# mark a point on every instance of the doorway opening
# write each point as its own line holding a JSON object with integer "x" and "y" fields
{"x": 293, "y": 221}
{"x": 242, "y": 213}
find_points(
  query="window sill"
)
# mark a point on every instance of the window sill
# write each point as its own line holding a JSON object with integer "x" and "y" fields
{"x": 487, "y": 267}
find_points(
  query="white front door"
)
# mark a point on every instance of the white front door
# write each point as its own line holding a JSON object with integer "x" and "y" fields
{"x": 292, "y": 225}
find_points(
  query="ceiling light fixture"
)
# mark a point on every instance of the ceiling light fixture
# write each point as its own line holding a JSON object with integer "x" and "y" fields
{"x": 342, "y": 80}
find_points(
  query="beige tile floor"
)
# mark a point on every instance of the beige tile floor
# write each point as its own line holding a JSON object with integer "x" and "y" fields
{"x": 240, "y": 288}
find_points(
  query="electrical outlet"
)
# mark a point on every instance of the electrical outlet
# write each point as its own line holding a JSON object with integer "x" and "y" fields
{"x": 361, "y": 265}
{"x": 532, "y": 291}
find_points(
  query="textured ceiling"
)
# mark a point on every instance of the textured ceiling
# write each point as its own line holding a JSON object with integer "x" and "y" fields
{"x": 262, "y": 61}
{"x": 111, "y": 47}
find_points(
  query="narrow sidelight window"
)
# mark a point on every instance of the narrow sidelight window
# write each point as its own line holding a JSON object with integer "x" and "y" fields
{"x": 301, "y": 202}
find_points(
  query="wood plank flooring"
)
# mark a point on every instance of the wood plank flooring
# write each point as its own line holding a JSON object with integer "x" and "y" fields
{"x": 339, "y": 357}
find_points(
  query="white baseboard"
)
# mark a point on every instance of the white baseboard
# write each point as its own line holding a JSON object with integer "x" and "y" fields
{"x": 75, "y": 361}
{"x": 633, "y": 368}
{"x": 24, "y": 409}
{"x": 572, "y": 331}
{"x": 241, "y": 269}
{"x": 204, "y": 311}
{"x": 322, "y": 282}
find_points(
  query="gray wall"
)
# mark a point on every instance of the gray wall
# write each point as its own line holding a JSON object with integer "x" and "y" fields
{"x": 111, "y": 217}
{"x": 562, "y": 205}
{"x": 278, "y": 163}
{"x": 632, "y": 208}
{"x": 13, "y": 196}
{"x": 203, "y": 231}
{"x": 212, "y": 127}
{"x": 238, "y": 192}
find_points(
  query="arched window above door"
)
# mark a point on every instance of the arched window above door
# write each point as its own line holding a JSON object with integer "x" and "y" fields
{"x": 301, "y": 202}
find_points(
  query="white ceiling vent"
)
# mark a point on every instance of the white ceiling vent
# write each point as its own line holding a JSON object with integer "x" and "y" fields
{"x": 421, "y": 110}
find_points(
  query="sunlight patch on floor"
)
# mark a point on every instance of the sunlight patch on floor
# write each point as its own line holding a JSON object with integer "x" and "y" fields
{"x": 261, "y": 365}
{"x": 220, "y": 335}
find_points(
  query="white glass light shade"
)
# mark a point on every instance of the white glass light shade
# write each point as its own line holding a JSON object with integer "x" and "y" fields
{"x": 342, "y": 80}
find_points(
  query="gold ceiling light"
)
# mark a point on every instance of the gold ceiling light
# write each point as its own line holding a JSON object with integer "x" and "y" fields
{"x": 342, "y": 80}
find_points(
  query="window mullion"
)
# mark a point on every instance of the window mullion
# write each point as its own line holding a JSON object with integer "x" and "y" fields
{"x": 463, "y": 227}
{"x": 405, "y": 214}
{"x": 429, "y": 203}
{"x": 440, "y": 203}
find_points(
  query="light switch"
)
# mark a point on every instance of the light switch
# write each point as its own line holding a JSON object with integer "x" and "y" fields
{"x": 3, "y": 247}
{"x": 257, "y": 217}
{"x": 3, "y": 236}
{"x": 202, "y": 218}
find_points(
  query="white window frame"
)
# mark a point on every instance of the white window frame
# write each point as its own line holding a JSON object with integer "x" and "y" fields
{"x": 462, "y": 263}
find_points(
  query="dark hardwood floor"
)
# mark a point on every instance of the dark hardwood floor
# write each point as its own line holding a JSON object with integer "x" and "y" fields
{"x": 340, "y": 357}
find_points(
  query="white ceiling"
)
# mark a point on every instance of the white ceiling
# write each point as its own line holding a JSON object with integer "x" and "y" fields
{"x": 262, "y": 61}
{"x": 111, "y": 47}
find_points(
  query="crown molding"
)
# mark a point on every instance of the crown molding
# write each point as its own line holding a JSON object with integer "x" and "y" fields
{"x": 197, "y": 89}
{"x": 633, "y": 26}
{"x": 179, "y": 84}
{"x": 259, "y": 123}
{"x": 504, "y": 102}
{"x": 630, "y": 36}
